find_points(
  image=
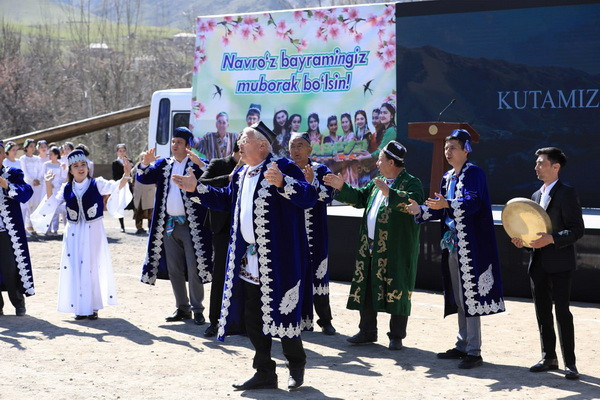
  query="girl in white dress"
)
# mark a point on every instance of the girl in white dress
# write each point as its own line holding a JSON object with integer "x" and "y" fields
{"x": 86, "y": 281}
{"x": 59, "y": 172}
{"x": 33, "y": 175}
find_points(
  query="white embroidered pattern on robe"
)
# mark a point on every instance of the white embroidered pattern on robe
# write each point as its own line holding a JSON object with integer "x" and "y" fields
{"x": 72, "y": 214}
{"x": 290, "y": 300}
{"x": 322, "y": 269}
{"x": 288, "y": 189}
{"x": 486, "y": 281}
{"x": 26, "y": 278}
{"x": 474, "y": 307}
{"x": 92, "y": 211}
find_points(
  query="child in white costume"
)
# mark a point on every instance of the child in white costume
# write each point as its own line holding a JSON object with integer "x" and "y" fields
{"x": 86, "y": 282}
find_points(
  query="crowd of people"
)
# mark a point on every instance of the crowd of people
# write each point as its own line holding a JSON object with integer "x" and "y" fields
{"x": 249, "y": 216}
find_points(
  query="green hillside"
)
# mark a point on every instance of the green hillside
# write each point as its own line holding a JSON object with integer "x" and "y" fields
{"x": 33, "y": 12}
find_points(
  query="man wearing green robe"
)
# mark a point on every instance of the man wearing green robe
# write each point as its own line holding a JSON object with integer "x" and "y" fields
{"x": 386, "y": 261}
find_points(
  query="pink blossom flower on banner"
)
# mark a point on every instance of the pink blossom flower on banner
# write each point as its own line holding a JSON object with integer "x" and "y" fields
{"x": 260, "y": 32}
{"x": 372, "y": 19}
{"x": 228, "y": 18}
{"x": 298, "y": 15}
{"x": 225, "y": 40}
{"x": 334, "y": 31}
{"x": 202, "y": 38}
{"x": 302, "y": 45}
{"x": 330, "y": 20}
{"x": 389, "y": 64}
{"x": 392, "y": 40}
{"x": 353, "y": 13}
{"x": 358, "y": 37}
{"x": 345, "y": 9}
{"x": 389, "y": 11}
{"x": 319, "y": 14}
{"x": 281, "y": 29}
{"x": 245, "y": 31}
{"x": 380, "y": 33}
{"x": 389, "y": 51}
{"x": 211, "y": 24}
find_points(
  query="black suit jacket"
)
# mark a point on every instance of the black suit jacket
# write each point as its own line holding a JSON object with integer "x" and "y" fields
{"x": 565, "y": 213}
{"x": 217, "y": 175}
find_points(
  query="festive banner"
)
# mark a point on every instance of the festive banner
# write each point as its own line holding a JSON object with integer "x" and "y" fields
{"x": 321, "y": 71}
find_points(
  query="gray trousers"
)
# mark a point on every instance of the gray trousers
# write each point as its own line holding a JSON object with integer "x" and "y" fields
{"x": 468, "y": 339}
{"x": 181, "y": 260}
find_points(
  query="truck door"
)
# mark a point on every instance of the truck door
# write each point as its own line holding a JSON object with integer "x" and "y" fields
{"x": 167, "y": 121}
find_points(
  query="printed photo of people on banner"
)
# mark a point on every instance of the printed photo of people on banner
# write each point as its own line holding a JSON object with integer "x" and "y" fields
{"x": 328, "y": 72}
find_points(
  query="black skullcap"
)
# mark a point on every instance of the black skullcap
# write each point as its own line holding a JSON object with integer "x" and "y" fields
{"x": 261, "y": 128}
{"x": 185, "y": 134}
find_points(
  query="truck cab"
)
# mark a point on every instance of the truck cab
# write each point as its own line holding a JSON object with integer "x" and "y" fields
{"x": 169, "y": 110}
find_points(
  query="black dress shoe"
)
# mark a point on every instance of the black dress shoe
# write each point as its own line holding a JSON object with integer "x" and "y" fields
{"x": 296, "y": 378}
{"x": 260, "y": 380}
{"x": 179, "y": 315}
{"x": 362, "y": 337}
{"x": 546, "y": 364}
{"x": 20, "y": 311}
{"x": 199, "y": 318}
{"x": 80, "y": 317}
{"x": 470, "y": 362}
{"x": 94, "y": 316}
{"x": 452, "y": 354}
{"x": 211, "y": 331}
{"x": 328, "y": 330}
{"x": 571, "y": 372}
{"x": 395, "y": 344}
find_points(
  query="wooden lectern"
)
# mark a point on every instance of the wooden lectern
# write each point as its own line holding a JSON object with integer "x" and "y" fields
{"x": 436, "y": 133}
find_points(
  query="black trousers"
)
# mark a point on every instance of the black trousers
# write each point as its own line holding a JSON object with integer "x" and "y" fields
{"x": 323, "y": 309}
{"x": 368, "y": 318}
{"x": 220, "y": 243}
{"x": 548, "y": 288}
{"x": 292, "y": 348}
{"x": 10, "y": 275}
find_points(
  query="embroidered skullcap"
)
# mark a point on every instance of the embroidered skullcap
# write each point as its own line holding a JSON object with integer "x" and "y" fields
{"x": 254, "y": 108}
{"x": 395, "y": 150}
{"x": 28, "y": 142}
{"x": 302, "y": 135}
{"x": 463, "y": 136}
{"x": 9, "y": 145}
{"x": 185, "y": 134}
{"x": 76, "y": 156}
{"x": 1, "y": 144}
{"x": 42, "y": 141}
{"x": 264, "y": 130}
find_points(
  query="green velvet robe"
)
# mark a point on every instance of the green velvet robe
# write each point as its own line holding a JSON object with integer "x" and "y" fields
{"x": 392, "y": 266}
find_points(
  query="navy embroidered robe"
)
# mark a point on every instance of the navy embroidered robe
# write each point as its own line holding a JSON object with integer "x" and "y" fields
{"x": 316, "y": 231}
{"x": 155, "y": 265}
{"x": 285, "y": 275}
{"x": 10, "y": 211}
{"x": 477, "y": 249}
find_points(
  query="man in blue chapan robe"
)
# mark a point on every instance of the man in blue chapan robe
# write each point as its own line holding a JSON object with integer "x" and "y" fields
{"x": 179, "y": 245}
{"x": 315, "y": 219}
{"x": 268, "y": 277}
{"x": 16, "y": 276}
{"x": 470, "y": 263}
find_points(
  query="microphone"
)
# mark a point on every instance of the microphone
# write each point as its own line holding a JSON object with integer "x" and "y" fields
{"x": 445, "y": 108}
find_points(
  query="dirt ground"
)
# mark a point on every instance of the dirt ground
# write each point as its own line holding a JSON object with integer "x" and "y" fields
{"x": 132, "y": 353}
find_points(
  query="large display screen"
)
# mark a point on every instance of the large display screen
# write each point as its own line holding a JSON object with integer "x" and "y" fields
{"x": 523, "y": 78}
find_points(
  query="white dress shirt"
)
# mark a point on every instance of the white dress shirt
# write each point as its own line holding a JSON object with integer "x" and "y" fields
{"x": 247, "y": 221}
{"x": 175, "y": 206}
{"x": 545, "y": 199}
{"x": 372, "y": 216}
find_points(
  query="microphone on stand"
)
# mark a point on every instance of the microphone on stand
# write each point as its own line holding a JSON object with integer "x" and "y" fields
{"x": 445, "y": 108}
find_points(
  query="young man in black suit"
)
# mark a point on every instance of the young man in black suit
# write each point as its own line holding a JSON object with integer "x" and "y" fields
{"x": 553, "y": 261}
{"x": 218, "y": 174}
